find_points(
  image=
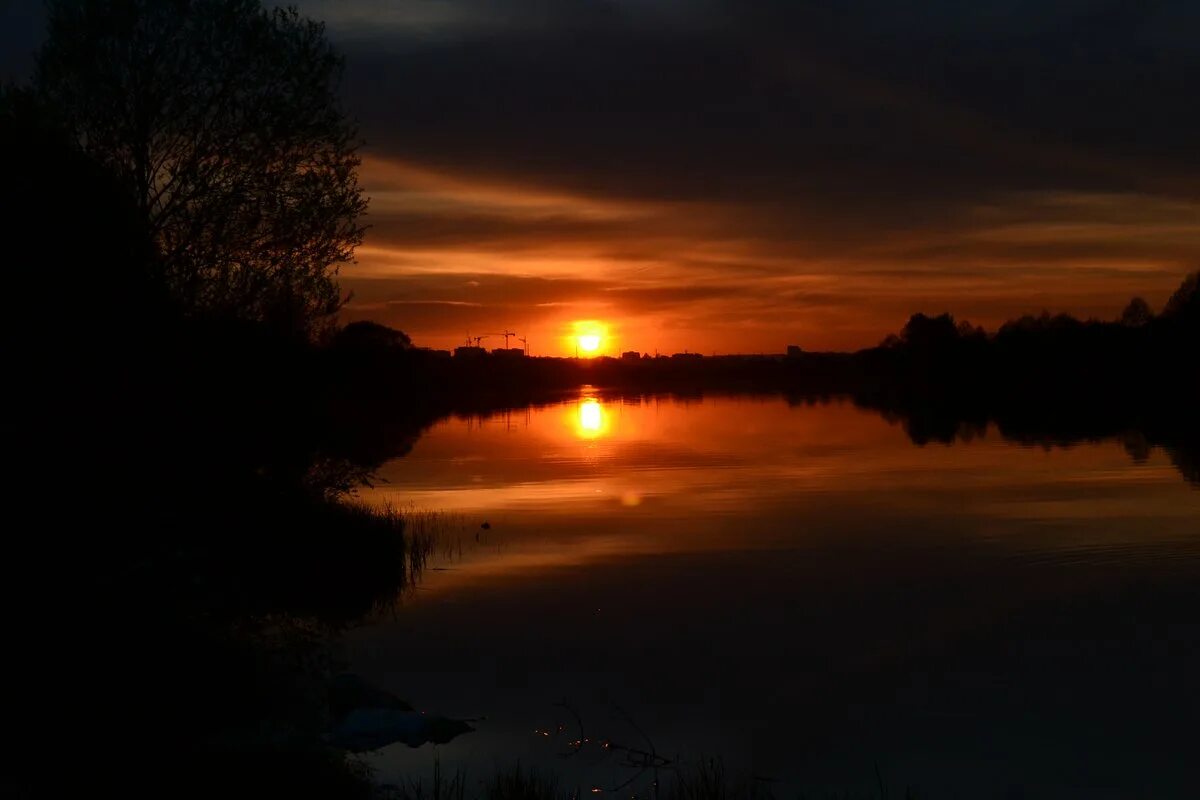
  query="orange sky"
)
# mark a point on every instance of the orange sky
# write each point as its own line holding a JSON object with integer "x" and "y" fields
{"x": 740, "y": 175}
{"x": 452, "y": 254}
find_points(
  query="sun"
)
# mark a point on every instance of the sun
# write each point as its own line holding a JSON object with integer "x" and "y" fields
{"x": 589, "y": 337}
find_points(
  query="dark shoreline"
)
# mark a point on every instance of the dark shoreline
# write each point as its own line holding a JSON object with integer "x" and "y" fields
{"x": 416, "y": 389}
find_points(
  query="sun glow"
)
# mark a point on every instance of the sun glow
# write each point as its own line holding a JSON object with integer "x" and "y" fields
{"x": 589, "y": 338}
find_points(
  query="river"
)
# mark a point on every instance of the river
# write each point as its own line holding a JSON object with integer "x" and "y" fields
{"x": 801, "y": 590}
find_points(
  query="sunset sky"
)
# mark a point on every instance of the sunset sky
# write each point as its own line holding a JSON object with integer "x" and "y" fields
{"x": 736, "y": 176}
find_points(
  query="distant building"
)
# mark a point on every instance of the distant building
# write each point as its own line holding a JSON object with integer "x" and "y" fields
{"x": 469, "y": 352}
{"x": 631, "y": 355}
{"x": 687, "y": 356}
{"x": 794, "y": 351}
{"x": 509, "y": 352}
{"x": 429, "y": 351}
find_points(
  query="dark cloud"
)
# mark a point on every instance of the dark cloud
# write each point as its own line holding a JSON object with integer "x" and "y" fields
{"x": 851, "y": 101}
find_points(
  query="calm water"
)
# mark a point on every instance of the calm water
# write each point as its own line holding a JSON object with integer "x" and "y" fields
{"x": 803, "y": 591}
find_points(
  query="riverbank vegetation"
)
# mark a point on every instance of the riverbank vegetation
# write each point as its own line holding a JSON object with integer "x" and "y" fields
{"x": 184, "y": 544}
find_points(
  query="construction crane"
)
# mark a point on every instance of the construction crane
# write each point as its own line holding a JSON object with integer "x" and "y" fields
{"x": 507, "y": 333}
{"x": 524, "y": 344}
{"x": 476, "y": 339}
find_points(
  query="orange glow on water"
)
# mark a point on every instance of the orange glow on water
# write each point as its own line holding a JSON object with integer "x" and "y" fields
{"x": 592, "y": 421}
{"x": 608, "y": 477}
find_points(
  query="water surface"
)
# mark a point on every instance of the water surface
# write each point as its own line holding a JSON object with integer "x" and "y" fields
{"x": 802, "y": 590}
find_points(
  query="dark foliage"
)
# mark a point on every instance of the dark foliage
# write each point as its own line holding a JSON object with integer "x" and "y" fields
{"x": 222, "y": 122}
{"x": 1184, "y": 306}
{"x": 1137, "y": 314}
{"x": 178, "y": 549}
{"x": 370, "y": 338}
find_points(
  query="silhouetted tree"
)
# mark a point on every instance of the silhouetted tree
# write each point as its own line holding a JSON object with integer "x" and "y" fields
{"x": 1137, "y": 314}
{"x": 1040, "y": 324}
{"x": 1184, "y": 305}
{"x": 222, "y": 119}
{"x": 929, "y": 333}
{"x": 367, "y": 336}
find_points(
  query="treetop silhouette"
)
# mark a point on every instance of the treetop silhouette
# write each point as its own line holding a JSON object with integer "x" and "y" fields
{"x": 223, "y": 121}
{"x": 1185, "y": 302}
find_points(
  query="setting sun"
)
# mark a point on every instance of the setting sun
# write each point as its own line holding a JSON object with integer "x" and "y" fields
{"x": 589, "y": 337}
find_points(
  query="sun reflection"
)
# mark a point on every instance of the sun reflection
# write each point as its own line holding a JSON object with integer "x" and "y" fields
{"x": 592, "y": 421}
